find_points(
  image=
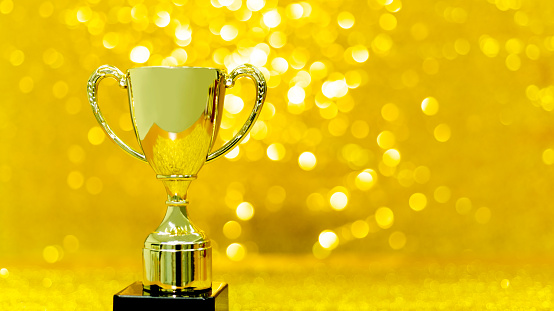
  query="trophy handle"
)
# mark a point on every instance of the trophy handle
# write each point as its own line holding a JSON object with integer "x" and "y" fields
{"x": 261, "y": 89}
{"x": 92, "y": 92}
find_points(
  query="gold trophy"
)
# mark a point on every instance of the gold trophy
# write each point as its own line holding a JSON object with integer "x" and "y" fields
{"x": 176, "y": 114}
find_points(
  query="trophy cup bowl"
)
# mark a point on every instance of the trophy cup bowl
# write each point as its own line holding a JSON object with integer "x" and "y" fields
{"x": 176, "y": 114}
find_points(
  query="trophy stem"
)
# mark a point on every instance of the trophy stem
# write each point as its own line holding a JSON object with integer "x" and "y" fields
{"x": 176, "y": 187}
{"x": 177, "y": 256}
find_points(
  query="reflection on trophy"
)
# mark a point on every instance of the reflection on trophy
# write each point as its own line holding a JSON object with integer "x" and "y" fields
{"x": 176, "y": 114}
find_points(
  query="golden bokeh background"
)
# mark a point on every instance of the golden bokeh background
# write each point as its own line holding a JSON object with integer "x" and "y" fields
{"x": 404, "y": 148}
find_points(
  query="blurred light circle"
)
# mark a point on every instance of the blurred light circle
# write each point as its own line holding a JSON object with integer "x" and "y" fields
{"x": 430, "y": 106}
{"x": 96, "y": 135}
{"x": 328, "y": 239}
{"x": 140, "y": 54}
{"x": 387, "y": 21}
{"x": 384, "y": 217}
{"x": 233, "y": 154}
{"x": 345, "y": 20}
{"x": 338, "y": 200}
{"x": 228, "y": 32}
{"x": 319, "y": 251}
{"x": 233, "y": 104}
{"x": 442, "y": 132}
{"x": 162, "y": 19}
{"x": 277, "y": 39}
{"x": 280, "y": 64}
{"x": 318, "y": 70}
{"x": 442, "y": 194}
{"x": 245, "y": 211}
{"x": 294, "y": 11}
{"x": 50, "y": 254}
{"x": 391, "y": 157}
{"x": 366, "y": 179}
{"x": 276, "y": 152}
{"x": 255, "y": 5}
{"x": 94, "y": 185}
{"x": 386, "y": 139}
{"x": 258, "y": 57}
{"x": 75, "y": 179}
{"x": 463, "y": 205}
{"x": 360, "y": 53}
{"x": 232, "y": 229}
{"x": 296, "y": 94}
{"x": 183, "y": 33}
{"x": 272, "y": 19}
{"x": 418, "y": 201}
{"x": 236, "y": 252}
{"x": 360, "y": 229}
{"x": 390, "y": 112}
{"x": 397, "y": 240}
{"x": 483, "y": 215}
{"x": 307, "y": 161}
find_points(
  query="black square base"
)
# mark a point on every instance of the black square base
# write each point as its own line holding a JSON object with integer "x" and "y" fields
{"x": 134, "y": 298}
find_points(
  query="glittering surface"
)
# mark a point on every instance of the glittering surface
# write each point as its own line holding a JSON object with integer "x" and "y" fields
{"x": 398, "y": 128}
{"x": 300, "y": 283}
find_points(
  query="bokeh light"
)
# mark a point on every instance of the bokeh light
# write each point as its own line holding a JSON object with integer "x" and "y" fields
{"x": 51, "y": 254}
{"x": 236, "y": 252}
{"x": 328, "y": 239}
{"x": 386, "y": 140}
{"x": 390, "y": 112}
{"x": 276, "y": 152}
{"x": 140, "y": 54}
{"x": 338, "y": 200}
{"x": 483, "y": 215}
{"x": 387, "y": 21}
{"x": 391, "y": 157}
{"x": 415, "y": 137}
{"x": 307, "y": 161}
{"x": 418, "y": 201}
{"x": 430, "y": 106}
{"x": 442, "y": 194}
{"x": 360, "y": 229}
{"x": 366, "y": 179}
{"x": 228, "y": 32}
{"x": 463, "y": 205}
{"x": 442, "y": 132}
{"x": 397, "y": 240}
{"x": 96, "y": 135}
{"x": 346, "y": 20}
{"x": 384, "y": 217}
{"x": 245, "y": 211}
{"x": 232, "y": 229}
{"x": 255, "y": 5}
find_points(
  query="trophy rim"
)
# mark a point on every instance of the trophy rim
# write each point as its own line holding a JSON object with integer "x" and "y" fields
{"x": 176, "y": 67}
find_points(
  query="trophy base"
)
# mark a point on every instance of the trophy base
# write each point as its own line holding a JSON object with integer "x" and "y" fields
{"x": 133, "y": 297}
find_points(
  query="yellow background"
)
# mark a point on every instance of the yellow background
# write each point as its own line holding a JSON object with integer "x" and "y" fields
{"x": 429, "y": 124}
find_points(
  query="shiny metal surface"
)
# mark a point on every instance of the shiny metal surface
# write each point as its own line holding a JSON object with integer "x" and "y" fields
{"x": 102, "y": 72}
{"x": 176, "y": 116}
{"x": 177, "y": 256}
